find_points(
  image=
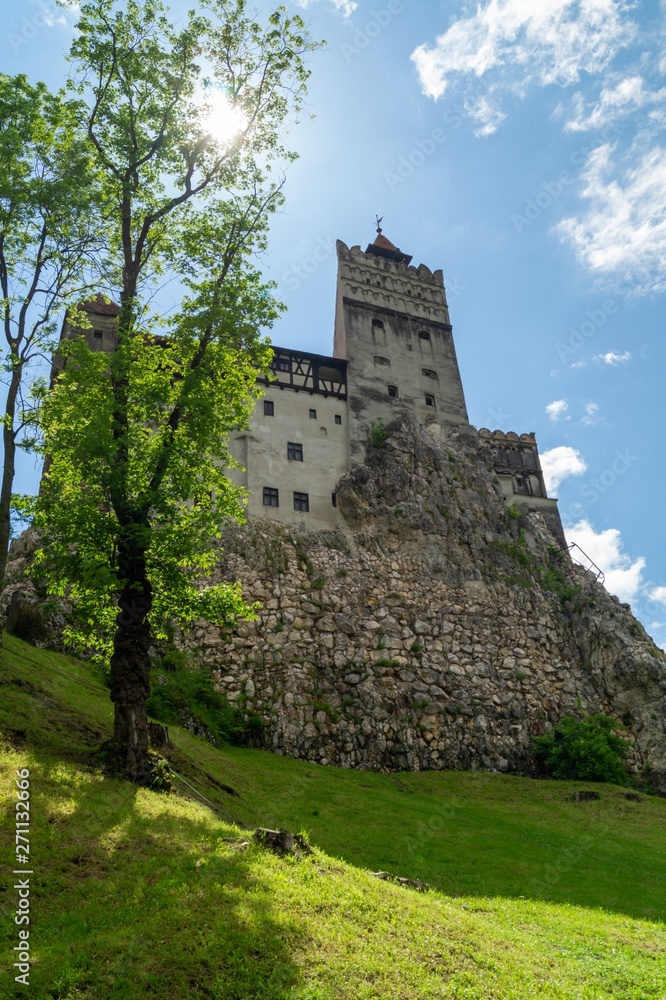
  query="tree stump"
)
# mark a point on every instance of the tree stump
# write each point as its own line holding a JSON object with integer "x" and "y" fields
{"x": 158, "y": 735}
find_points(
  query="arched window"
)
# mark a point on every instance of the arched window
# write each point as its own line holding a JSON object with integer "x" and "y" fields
{"x": 535, "y": 486}
{"x": 424, "y": 335}
{"x": 393, "y": 391}
{"x": 379, "y": 360}
{"x": 429, "y": 373}
{"x": 378, "y": 324}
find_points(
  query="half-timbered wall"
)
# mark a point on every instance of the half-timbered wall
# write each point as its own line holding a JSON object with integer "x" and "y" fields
{"x": 297, "y": 448}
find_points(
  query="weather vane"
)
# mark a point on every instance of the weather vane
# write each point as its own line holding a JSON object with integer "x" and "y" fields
{"x": 379, "y": 219}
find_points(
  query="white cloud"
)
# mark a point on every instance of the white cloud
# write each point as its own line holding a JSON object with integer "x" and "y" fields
{"x": 623, "y": 231}
{"x": 345, "y": 7}
{"x": 623, "y": 574}
{"x": 557, "y": 409}
{"x": 50, "y": 15}
{"x": 627, "y": 95}
{"x": 611, "y": 358}
{"x": 520, "y": 41}
{"x": 487, "y": 115}
{"x": 591, "y": 416}
{"x": 579, "y": 364}
{"x": 658, "y": 594}
{"x": 560, "y": 463}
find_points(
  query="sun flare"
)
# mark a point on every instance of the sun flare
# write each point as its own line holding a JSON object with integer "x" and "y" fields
{"x": 220, "y": 118}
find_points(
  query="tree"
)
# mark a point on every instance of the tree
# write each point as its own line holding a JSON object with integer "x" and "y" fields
{"x": 137, "y": 490}
{"x": 583, "y": 750}
{"x": 49, "y": 236}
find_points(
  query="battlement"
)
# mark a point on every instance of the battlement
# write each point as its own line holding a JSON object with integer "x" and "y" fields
{"x": 515, "y": 461}
{"x": 380, "y": 282}
{"x": 401, "y": 266}
{"x": 507, "y": 436}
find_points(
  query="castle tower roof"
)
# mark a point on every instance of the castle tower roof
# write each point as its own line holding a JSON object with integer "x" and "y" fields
{"x": 98, "y": 305}
{"x": 384, "y": 248}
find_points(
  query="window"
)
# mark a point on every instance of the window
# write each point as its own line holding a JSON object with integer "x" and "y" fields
{"x": 294, "y": 452}
{"x": 98, "y": 335}
{"x": 281, "y": 365}
{"x": 393, "y": 391}
{"x": 430, "y": 400}
{"x": 269, "y": 408}
{"x": 424, "y": 335}
{"x": 378, "y": 324}
{"x": 313, "y": 414}
{"x": 338, "y": 418}
{"x": 429, "y": 373}
{"x": 302, "y": 502}
{"x": 271, "y": 497}
{"x": 382, "y": 361}
{"x": 334, "y": 500}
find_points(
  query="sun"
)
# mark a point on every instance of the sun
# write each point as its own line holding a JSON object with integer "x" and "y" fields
{"x": 220, "y": 118}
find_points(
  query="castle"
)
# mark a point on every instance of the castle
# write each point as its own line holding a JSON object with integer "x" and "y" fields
{"x": 393, "y": 351}
{"x": 413, "y": 610}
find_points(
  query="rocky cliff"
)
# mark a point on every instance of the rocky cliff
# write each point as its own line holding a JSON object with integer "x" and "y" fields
{"x": 439, "y": 629}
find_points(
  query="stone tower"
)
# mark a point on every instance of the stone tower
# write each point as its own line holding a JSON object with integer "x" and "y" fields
{"x": 392, "y": 325}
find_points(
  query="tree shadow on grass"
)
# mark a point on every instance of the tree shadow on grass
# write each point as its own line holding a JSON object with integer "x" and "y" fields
{"x": 512, "y": 838}
{"x": 135, "y": 897}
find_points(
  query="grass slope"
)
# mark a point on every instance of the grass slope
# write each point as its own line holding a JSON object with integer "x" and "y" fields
{"x": 140, "y": 895}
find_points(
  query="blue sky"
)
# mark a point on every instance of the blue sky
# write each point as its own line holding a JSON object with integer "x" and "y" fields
{"x": 518, "y": 145}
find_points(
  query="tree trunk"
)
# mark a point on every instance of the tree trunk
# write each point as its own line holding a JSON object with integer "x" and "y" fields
{"x": 130, "y": 662}
{"x": 8, "y": 468}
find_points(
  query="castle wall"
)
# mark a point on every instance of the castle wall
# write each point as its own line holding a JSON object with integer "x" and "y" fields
{"x": 382, "y": 666}
{"x": 263, "y": 451}
{"x": 432, "y": 629}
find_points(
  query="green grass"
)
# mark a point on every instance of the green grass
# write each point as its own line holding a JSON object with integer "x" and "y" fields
{"x": 138, "y": 895}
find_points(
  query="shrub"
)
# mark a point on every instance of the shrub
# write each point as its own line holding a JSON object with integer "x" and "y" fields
{"x": 26, "y": 622}
{"x": 553, "y": 579}
{"x": 161, "y": 773}
{"x": 323, "y": 706}
{"x": 190, "y": 690}
{"x": 583, "y": 750}
{"x": 174, "y": 660}
{"x": 378, "y": 433}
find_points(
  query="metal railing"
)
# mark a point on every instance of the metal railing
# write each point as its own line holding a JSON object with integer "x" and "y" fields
{"x": 591, "y": 567}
